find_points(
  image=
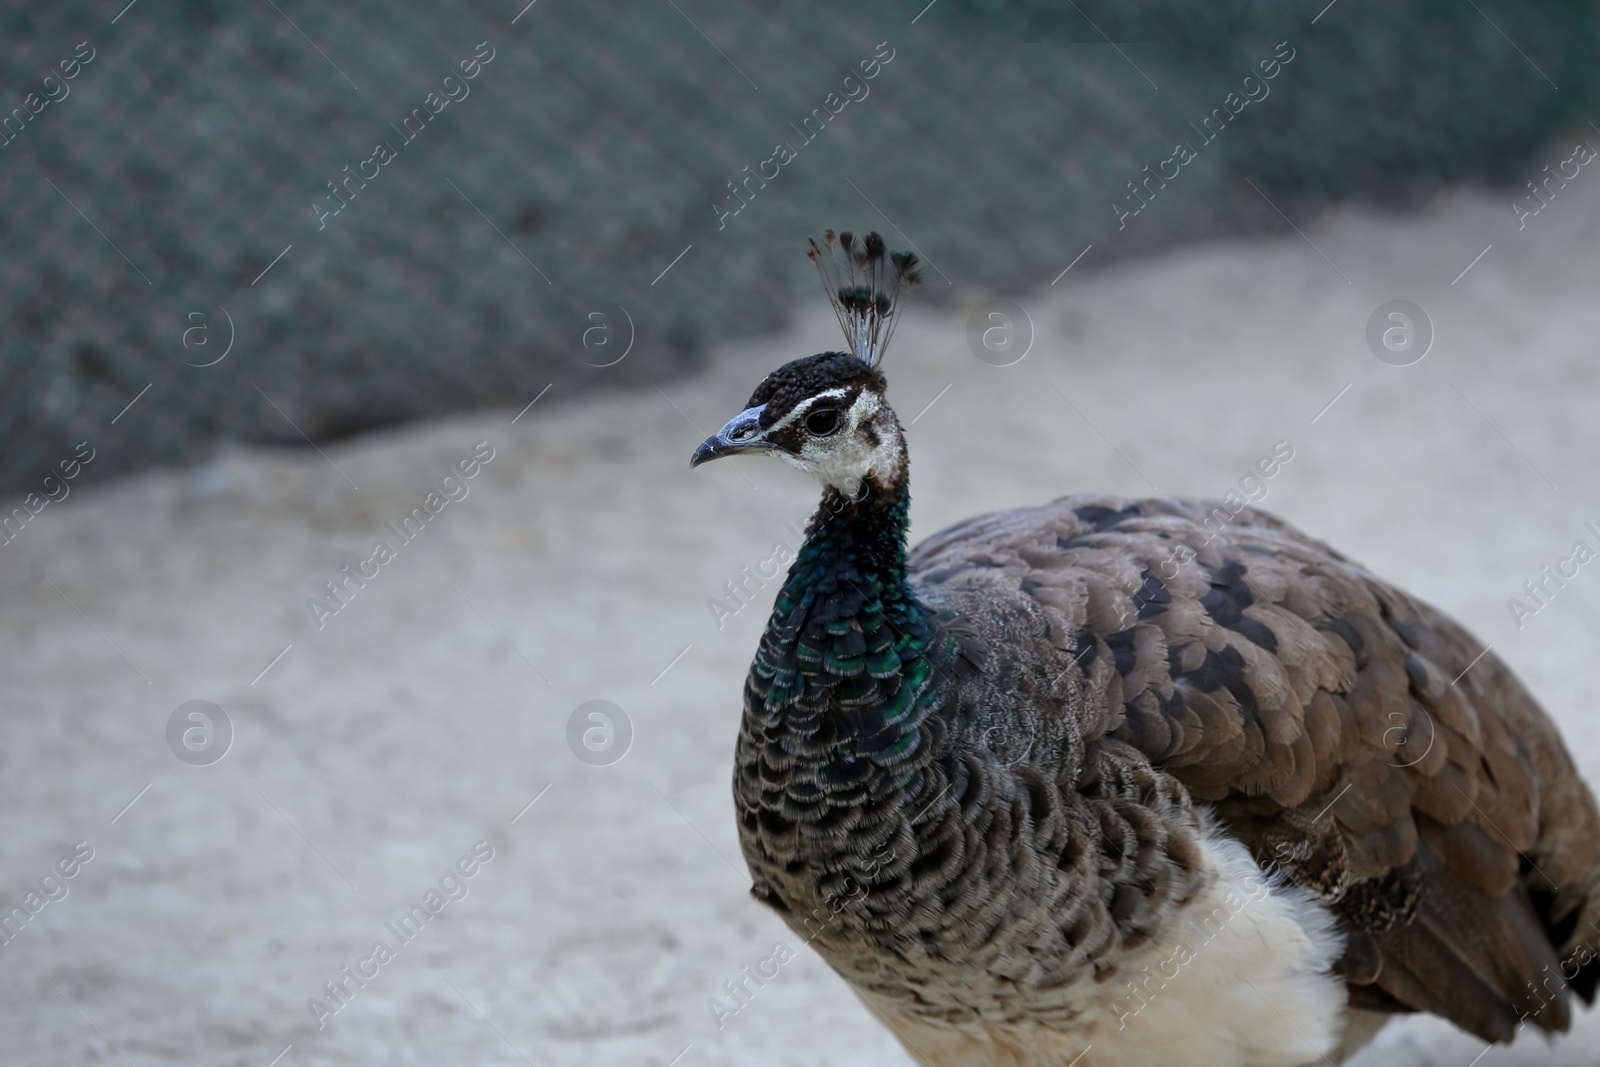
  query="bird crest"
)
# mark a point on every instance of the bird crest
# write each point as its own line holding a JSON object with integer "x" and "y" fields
{"x": 863, "y": 279}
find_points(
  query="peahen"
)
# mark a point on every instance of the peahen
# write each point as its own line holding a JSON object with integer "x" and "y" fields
{"x": 1108, "y": 777}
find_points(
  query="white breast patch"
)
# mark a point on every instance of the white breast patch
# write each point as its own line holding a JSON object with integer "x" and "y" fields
{"x": 1241, "y": 979}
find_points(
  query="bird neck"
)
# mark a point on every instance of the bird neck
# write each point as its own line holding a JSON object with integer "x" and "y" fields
{"x": 859, "y": 539}
{"x": 847, "y": 665}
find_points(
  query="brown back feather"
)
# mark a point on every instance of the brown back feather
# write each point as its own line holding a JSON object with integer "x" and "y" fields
{"x": 1335, "y": 725}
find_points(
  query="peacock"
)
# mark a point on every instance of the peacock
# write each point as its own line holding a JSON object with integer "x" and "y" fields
{"x": 1108, "y": 781}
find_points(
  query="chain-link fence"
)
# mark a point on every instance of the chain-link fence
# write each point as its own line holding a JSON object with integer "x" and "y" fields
{"x": 274, "y": 222}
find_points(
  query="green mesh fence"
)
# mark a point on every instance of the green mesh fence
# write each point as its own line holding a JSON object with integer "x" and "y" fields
{"x": 174, "y": 198}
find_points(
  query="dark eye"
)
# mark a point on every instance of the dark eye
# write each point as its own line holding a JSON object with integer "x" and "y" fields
{"x": 823, "y": 421}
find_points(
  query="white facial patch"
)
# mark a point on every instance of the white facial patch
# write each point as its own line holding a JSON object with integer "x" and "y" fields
{"x": 867, "y": 445}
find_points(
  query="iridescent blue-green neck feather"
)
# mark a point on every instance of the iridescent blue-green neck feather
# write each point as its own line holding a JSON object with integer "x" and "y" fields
{"x": 848, "y": 668}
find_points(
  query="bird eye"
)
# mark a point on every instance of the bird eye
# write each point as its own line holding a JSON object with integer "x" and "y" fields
{"x": 823, "y": 421}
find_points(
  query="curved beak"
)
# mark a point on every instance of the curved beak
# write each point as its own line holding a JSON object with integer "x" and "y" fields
{"x": 742, "y": 434}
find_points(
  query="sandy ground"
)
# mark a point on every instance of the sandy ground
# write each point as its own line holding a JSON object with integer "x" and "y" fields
{"x": 428, "y": 713}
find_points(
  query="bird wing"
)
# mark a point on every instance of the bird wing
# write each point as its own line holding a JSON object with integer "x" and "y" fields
{"x": 1353, "y": 737}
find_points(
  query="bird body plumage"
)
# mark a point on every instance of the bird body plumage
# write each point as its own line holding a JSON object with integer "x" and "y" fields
{"x": 1048, "y": 783}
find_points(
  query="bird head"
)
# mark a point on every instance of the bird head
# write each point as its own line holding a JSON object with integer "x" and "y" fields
{"x": 826, "y": 414}
{"x": 823, "y": 414}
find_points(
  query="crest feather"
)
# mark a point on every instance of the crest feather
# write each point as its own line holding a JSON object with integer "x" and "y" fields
{"x": 863, "y": 279}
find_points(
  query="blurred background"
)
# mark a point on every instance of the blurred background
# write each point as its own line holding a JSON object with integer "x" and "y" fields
{"x": 271, "y": 272}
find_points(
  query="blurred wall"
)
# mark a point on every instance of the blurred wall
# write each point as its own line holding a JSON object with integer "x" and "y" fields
{"x": 175, "y": 198}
